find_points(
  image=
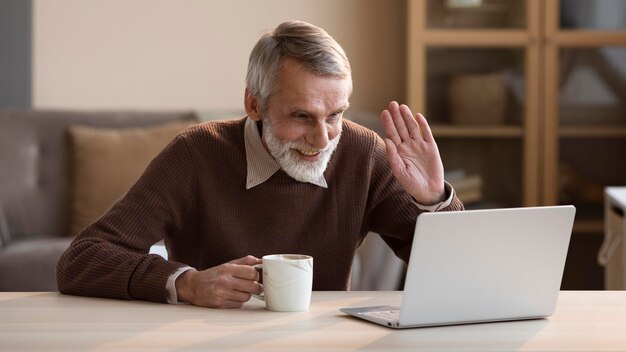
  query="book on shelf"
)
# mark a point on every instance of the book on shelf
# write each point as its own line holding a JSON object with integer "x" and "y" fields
{"x": 468, "y": 188}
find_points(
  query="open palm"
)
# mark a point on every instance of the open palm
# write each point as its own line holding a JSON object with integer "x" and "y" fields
{"x": 413, "y": 154}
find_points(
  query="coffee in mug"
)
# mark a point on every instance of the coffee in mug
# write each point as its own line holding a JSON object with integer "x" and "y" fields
{"x": 287, "y": 282}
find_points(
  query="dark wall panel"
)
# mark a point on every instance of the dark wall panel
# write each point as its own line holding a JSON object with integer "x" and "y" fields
{"x": 15, "y": 53}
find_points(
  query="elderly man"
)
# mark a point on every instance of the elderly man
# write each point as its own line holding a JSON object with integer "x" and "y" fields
{"x": 291, "y": 177}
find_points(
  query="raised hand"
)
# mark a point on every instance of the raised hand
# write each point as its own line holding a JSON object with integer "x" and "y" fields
{"x": 229, "y": 285}
{"x": 413, "y": 154}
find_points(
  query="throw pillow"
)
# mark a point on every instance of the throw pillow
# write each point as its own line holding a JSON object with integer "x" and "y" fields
{"x": 106, "y": 162}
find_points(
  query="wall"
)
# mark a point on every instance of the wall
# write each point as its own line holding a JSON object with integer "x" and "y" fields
{"x": 192, "y": 54}
{"x": 15, "y": 53}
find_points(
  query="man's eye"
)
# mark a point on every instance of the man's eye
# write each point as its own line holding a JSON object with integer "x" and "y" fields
{"x": 301, "y": 116}
{"x": 336, "y": 115}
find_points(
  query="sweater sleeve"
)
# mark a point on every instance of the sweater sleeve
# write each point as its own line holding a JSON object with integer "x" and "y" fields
{"x": 109, "y": 258}
{"x": 392, "y": 212}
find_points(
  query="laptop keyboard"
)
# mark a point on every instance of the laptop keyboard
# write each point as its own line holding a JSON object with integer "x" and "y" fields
{"x": 385, "y": 314}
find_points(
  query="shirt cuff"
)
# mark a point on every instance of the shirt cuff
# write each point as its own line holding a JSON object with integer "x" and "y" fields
{"x": 436, "y": 207}
{"x": 170, "y": 286}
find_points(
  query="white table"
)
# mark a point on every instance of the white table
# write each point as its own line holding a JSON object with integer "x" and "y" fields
{"x": 583, "y": 321}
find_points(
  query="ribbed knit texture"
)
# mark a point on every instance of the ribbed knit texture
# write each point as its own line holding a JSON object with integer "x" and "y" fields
{"x": 194, "y": 195}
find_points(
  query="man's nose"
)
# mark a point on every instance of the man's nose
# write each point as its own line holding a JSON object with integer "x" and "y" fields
{"x": 318, "y": 136}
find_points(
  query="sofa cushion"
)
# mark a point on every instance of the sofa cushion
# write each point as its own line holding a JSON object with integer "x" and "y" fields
{"x": 106, "y": 162}
{"x": 35, "y": 163}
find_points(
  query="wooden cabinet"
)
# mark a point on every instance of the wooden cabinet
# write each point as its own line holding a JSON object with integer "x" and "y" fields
{"x": 462, "y": 60}
{"x": 527, "y": 101}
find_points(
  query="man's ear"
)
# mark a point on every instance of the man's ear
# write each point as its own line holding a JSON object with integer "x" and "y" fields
{"x": 251, "y": 104}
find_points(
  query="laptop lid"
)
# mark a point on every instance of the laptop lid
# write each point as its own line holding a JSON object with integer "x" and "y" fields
{"x": 486, "y": 265}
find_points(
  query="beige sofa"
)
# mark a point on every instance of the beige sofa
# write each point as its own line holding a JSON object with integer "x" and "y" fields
{"x": 37, "y": 186}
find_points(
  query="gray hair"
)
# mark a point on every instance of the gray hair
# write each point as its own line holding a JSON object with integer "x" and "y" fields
{"x": 310, "y": 45}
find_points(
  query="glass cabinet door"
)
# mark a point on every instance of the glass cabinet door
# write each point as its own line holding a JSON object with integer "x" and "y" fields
{"x": 585, "y": 121}
{"x": 470, "y": 64}
{"x": 476, "y": 14}
{"x": 475, "y": 102}
{"x": 475, "y": 87}
{"x": 594, "y": 15}
{"x": 585, "y": 104}
{"x": 591, "y": 126}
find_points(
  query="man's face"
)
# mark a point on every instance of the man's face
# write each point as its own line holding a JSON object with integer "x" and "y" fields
{"x": 302, "y": 122}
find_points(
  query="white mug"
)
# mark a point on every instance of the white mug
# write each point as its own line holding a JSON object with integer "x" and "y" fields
{"x": 287, "y": 282}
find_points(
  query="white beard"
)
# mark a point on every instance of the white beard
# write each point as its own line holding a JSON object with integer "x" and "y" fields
{"x": 287, "y": 159}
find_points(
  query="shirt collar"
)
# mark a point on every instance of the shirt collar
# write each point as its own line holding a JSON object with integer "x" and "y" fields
{"x": 260, "y": 164}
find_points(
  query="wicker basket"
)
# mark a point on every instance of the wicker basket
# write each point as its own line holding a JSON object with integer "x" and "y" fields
{"x": 478, "y": 99}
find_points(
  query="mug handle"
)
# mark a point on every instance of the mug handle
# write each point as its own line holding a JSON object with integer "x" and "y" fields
{"x": 260, "y": 296}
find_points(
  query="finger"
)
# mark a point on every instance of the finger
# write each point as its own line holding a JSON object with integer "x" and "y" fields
{"x": 245, "y": 272}
{"x": 234, "y": 289}
{"x": 247, "y": 260}
{"x": 242, "y": 278}
{"x": 395, "y": 161}
{"x": 398, "y": 121}
{"x": 427, "y": 134}
{"x": 238, "y": 296}
{"x": 389, "y": 127}
{"x": 247, "y": 286}
{"x": 411, "y": 125}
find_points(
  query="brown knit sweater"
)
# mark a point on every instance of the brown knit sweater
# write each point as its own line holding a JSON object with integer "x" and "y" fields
{"x": 193, "y": 195}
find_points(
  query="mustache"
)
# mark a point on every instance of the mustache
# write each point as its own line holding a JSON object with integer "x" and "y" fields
{"x": 309, "y": 147}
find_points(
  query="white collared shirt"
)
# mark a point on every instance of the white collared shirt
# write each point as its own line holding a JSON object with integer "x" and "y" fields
{"x": 260, "y": 164}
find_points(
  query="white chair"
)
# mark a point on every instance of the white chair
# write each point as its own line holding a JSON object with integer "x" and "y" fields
{"x": 376, "y": 267}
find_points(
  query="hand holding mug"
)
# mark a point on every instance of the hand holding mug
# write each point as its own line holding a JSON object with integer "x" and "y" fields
{"x": 229, "y": 285}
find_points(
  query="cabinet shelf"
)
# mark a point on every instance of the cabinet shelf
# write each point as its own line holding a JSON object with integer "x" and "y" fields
{"x": 592, "y": 131}
{"x": 476, "y": 38}
{"x": 589, "y": 226}
{"x": 477, "y": 131}
{"x": 587, "y": 38}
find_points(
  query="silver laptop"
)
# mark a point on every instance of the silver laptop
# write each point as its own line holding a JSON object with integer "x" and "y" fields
{"x": 481, "y": 266}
